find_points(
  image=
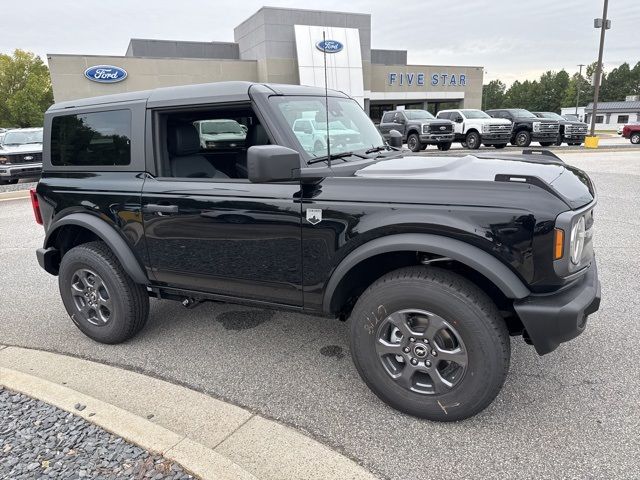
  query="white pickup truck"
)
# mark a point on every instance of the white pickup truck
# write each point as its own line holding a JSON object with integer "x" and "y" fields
{"x": 312, "y": 134}
{"x": 20, "y": 155}
{"x": 473, "y": 128}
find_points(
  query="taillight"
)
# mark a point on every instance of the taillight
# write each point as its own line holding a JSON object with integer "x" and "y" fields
{"x": 35, "y": 203}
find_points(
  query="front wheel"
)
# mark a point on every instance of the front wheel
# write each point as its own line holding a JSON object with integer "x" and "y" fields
{"x": 473, "y": 140}
{"x": 444, "y": 146}
{"x": 635, "y": 138}
{"x": 523, "y": 139}
{"x": 413, "y": 142}
{"x": 101, "y": 299}
{"x": 430, "y": 343}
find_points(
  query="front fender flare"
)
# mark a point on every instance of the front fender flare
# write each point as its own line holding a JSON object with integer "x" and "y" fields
{"x": 107, "y": 234}
{"x": 479, "y": 260}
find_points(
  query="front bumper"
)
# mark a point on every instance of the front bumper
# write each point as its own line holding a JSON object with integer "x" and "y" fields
{"x": 436, "y": 137}
{"x": 496, "y": 137}
{"x": 574, "y": 137}
{"x": 544, "y": 136}
{"x": 27, "y": 170}
{"x": 552, "y": 319}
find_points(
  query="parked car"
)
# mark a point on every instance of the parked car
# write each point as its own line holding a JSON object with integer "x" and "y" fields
{"x": 418, "y": 129}
{"x": 312, "y": 134}
{"x": 435, "y": 261}
{"x": 220, "y": 133}
{"x": 20, "y": 154}
{"x": 474, "y": 127}
{"x": 632, "y": 132}
{"x": 527, "y": 127}
{"x": 571, "y": 132}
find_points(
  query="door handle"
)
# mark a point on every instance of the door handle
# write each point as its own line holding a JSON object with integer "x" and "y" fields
{"x": 156, "y": 208}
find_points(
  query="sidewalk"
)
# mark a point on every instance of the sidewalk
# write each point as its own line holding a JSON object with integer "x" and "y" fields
{"x": 209, "y": 438}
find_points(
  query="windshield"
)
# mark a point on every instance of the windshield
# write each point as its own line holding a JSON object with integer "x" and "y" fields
{"x": 418, "y": 115}
{"x": 215, "y": 127}
{"x": 521, "y": 112}
{"x": 570, "y": 116}
{"x": 475, "y": 114}
{"x": 18, "y": 137}
{"x": 350, "y": 129}
{"x": 551, "y": 115}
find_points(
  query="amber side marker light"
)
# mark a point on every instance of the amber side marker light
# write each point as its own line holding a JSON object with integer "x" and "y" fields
{"x": 558, "y": 244}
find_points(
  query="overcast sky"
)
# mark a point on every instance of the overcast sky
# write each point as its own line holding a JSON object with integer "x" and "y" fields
{"x": 511, "y": 39}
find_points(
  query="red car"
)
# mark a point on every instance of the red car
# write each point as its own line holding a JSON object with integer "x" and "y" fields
{"x": 632, "y": 132}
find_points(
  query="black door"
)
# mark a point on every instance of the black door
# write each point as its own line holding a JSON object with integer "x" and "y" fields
{"x": 226, "y": 237}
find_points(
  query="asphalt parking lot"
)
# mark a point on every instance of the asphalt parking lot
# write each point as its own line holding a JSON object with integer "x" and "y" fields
{"x": 572, "y": 414}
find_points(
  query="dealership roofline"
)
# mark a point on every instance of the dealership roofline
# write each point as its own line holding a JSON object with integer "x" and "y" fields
{"x": 150, "y": 58}
{"x": 265, "y": 7}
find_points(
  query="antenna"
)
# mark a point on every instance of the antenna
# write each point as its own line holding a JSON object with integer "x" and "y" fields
{"x": 326, "y": 95}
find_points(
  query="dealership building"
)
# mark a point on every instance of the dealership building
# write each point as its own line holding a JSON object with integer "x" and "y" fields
{"x": 277, "y": 45}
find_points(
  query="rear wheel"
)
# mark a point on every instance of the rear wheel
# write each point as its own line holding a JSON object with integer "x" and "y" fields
{"x": 635, "y": 138}
{"x": 430, "y": 343}
{"x": 473, "y": 140}
{"x": 444, "y": 146}
{"x": 413, "y": 142}
{"x": 101, "y": 299}
{"x": 523, "y": 139}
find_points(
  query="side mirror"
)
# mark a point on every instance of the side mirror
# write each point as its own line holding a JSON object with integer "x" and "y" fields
{"x": 272, "y": 163}
{"x": 395, "y": 139}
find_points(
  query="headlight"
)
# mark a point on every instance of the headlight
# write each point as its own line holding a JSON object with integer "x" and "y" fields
{"x": 576, "y": 244}
{"x": 3, "y": 160}
{"x": 536, "y": 126}
{"x": 425, "y": 128}
{"x": 485, "y": 128}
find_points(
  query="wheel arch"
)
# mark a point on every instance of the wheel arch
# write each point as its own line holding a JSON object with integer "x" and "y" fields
{"x": 405, "y": 247}
{"x": 78, "y": 228}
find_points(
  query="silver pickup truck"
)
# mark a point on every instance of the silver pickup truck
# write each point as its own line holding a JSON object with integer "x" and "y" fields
{"x": 20, "y": 155}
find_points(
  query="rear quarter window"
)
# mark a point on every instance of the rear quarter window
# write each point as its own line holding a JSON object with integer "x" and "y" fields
{"x": 91, "y": 139}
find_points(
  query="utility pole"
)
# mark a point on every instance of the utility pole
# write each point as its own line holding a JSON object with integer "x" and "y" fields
{"x": 578, "y": 88}
{"x": 602, "y": 23}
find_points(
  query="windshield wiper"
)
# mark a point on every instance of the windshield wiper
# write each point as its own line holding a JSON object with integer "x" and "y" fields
{"x": 336, "y": 156}
{"x": 376, "y": 149}
{"x": 30, "y": 143}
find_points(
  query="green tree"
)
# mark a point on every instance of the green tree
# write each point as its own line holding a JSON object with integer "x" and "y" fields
{"x": 493, "y": 94}
{"x": 522, "y": 95}
{"x": 570, "y": 94}
{"x": 25, "y": 89}
{"x": 551, "y": 90}
{"x": 617, "y": 85}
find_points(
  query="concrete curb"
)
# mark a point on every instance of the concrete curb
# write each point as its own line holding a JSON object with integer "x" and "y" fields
{"x": 209, "y": 438}
{"x": 14, "y": 195}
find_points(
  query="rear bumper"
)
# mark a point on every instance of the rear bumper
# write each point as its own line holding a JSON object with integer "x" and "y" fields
{"x": 28, "y": 170}
{"x": 552, "y": 319}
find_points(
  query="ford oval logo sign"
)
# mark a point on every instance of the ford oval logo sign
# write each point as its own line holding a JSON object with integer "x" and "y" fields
{"x": 329, "y": 46}
{"x": 105, "y": 74}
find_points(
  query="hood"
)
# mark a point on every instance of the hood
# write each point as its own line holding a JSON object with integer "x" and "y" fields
{"x": 217, "y": 137}
{"x": 24, "y": 148}
{"x": 570, "y": 184}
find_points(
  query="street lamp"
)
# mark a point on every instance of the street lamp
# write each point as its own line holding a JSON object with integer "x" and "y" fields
{"x": 579, "y": 84}
{"x": 603, "y": 24}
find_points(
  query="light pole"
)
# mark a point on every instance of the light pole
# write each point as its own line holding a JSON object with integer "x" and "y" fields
{"x": 579, "y": 82}
{"x": 603, "y": 24}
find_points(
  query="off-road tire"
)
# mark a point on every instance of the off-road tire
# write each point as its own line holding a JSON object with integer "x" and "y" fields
{"x": 464, "y": 306}
{"x": 635, "y": 138}
{"x": 413, "y": 142}
{"x": 444, "y": 146}
{"x": 522, "y": 139}
{"x": 130, "y": 300}
{"x": 472, "y": 140}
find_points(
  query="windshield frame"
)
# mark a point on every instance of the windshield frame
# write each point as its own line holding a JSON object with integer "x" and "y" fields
{"x": 293, "y": 142}
{"x": 429, "y": 116}
{"x": 551, "y": 116}
{"x": 465, "y": 113}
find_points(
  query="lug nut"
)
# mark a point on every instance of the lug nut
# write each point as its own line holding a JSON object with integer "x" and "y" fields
{"x": 426, "y": 340}
{"x": 406, "y": 349}
{"x": 414, "y": 361}
{"x": 427, "y": 363}
{"x": 411, "y": 339}
{"x": 434, "y": 353}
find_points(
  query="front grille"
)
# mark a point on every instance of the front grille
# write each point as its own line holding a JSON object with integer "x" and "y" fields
{"x": 24, "y": 158}
{"x": 549, "y": 127}
{"x": 441, "y": 128}
{"x": 576, "y": 129}
{"x": 500, "y": 128}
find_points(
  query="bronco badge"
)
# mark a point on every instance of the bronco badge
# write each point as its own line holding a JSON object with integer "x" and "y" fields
{"x": 314, "y": 215}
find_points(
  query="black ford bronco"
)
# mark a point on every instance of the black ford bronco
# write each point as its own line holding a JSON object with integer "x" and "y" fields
{"x": 434, "y": 261}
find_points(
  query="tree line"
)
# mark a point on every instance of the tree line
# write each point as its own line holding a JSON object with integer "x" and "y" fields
{"x": 554, "y": 90}
{"x": 25, "y": 90}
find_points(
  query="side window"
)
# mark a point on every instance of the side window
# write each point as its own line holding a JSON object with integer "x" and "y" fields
{"x": 207, "y": 143}
{"x": 443, "y": 115}
{"x": 388, "y": 117}
{"x": 91, "y": 139}
{"x": 399, "y": 118}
